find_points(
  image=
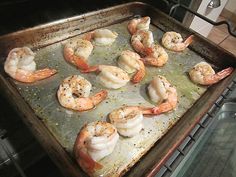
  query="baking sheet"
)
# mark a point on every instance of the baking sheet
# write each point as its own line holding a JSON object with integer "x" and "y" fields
{"x": 64, "y": 124}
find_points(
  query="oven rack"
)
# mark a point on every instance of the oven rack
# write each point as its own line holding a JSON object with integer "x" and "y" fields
{"x": 172, "y": 6}
{"x": 197, "y": 132}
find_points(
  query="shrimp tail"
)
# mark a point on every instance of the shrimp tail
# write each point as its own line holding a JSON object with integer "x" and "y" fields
{"x": 148, "y": 50}
{"x": 146, "y": 110}
{"x": 139, "y": 75}
{"x": 88, "y": 36}
{"x": 132, "y": 27}
{"x": 81, "y": 64}
{"x": 76, "y": 60}
{"x": 81, "y": 155}
{"x": 34, "y": 76}
{"x": 189, "y": 40}
{"x": 218, "y": 76}
{"x": 43, "y": 73}
{"x": 154, "y": 61}
{"x": 139, "y": 47}
{"x": 90, "y": 69}
{"x": 99, "y": 97}
{"x": 164, "y": 107}
{"x": 224, "y": 73}
{"x": 87, "y": 163}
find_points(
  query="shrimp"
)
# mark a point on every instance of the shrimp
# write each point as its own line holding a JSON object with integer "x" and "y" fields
{"x": 174, "y": 41}
{"x": 139, "y": 24}
{"x": 202, "y": 73}
{"x": 127, "y": 120}
{"x": 130, "y": 62}
{"x": 155, "y": 56}
{"x": 77, "y": 52}
{"x": 20, "y": 65}
{"x": 110, "y": 76}
{"x": 163, "y": 93}
{"x": 95, "y": 141}
{"x": 101, "y": 37}
{"x": 74, "y": 93}
{"x": 141, "y": 40}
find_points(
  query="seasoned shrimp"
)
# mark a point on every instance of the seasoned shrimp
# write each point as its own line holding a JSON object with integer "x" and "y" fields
{"x": 163, "y": 93}
{"x": 20, "y": 65}
{"x": 139, "y": 24}
{"x": 127, "y": 120}
{"x": 130, "y": 62}
{"x": 110, "y": 76}
{"x": 202, "y": 73}
{"x": 155, "y": 56}
{"x": 95, "y": 141}
{"x": 74, "y": 93}
{"x": 174, "y": 41}
{"x": 101, "y": 37}
{"x": 141, "y": 40}
{"x": 77, "y": 52}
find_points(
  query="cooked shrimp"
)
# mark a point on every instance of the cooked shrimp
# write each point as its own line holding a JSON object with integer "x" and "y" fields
{"x": 77, "y": 52}
{"x": 20, "y": 65}
{"x": 74, "y": 93}
{"x": 127, "y": 120}
{"x": 139, "y": 24}
{"x": 110, "y": 76}
{"x": 163, "y": 93}
{"x": 95, "y": 141}
{"x": 101, "y": 37}
{"x": 174, "y": 41}
{"x": 130, "y": 62}
{"x": 141, "y": 40}
{"x": 202, "y": 73}
{"x": 155, "y": 56}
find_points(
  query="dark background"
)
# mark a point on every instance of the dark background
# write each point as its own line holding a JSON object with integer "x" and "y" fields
{"x": 20, "y": 14}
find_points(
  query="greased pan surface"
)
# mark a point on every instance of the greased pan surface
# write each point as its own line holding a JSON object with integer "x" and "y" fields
{"x": 65, "y": 124}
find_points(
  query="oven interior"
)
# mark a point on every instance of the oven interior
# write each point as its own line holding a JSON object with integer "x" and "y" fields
{"x": 21, "y": 155}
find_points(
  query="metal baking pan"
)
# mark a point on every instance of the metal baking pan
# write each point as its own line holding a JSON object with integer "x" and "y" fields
{"x": 56, "y": 128}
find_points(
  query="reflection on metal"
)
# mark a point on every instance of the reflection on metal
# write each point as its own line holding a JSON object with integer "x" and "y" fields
{"x": 214, "y": 4}
{"x": 174, "y": 4}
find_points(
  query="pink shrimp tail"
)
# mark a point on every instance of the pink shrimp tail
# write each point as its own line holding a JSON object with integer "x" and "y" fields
{"x": 132, "y": 27}
{"x": 164, "y": 107}
{"x": 76, "y": 60}
{"x": 161, "y": 61}
{"x": 148, "y": 50}
{"x": 82, "y": 157}
{"x": 139, "y": 75}
{"x": 90, "y": 69}
{"x": 224, "y": 73}
{"x": 87, "y": 163}
{"x": 81, "y": 64}
{"x": 218, "y": 76}
{"x": 44, "y": 73}
{"x": 99, "y": 97}
{"x": 146, "y": 110}
{"x": 88, "y": 36}
{"x": 189, "y": 40}
{"x": 37, "y": 75}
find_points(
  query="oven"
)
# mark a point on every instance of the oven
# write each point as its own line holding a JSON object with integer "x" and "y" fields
{"x": 22, "y": 155}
